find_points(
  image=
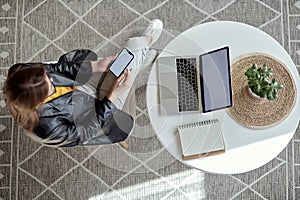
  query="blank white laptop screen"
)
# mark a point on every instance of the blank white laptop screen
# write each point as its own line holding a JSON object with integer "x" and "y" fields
{"x": 215, "y": 80}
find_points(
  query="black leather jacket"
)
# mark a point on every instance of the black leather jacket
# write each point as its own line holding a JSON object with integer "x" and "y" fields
{"x": 77, "y": 118}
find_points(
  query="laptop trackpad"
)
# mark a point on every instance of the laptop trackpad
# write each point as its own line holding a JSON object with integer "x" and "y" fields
{"x": 169, "y": 107}
{"x": 166, "y": 93}
{"x": 168, "y": 85}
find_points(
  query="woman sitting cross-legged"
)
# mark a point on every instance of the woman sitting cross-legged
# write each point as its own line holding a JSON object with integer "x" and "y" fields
{"x": 65, "y": 104}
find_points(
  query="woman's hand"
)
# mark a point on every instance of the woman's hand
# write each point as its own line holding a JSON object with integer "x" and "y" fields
{"x": 120, "y": 85}
{"x": 102, "y": 64}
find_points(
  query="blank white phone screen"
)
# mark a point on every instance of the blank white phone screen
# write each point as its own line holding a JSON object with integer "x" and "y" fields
{"x": 121, "y": 62}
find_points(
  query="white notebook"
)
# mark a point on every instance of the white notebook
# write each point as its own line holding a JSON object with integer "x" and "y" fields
{"x": 201, "y": 139}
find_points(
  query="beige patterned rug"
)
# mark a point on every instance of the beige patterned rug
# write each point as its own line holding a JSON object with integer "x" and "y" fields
{"x": 41, "y": 30}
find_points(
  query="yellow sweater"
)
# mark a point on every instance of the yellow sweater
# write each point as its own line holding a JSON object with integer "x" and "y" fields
{"x": 60, "y": 90}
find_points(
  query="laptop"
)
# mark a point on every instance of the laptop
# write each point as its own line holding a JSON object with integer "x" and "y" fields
{"x": 200, "y": 83}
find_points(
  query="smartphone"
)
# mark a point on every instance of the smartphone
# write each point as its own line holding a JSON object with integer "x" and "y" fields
{"x": 118, "y": 66}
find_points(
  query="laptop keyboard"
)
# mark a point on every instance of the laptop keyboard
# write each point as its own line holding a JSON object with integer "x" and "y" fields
{"x": 188, "y": 99}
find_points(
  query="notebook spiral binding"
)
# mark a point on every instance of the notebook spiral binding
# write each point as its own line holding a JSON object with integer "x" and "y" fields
{"x": 200, "y": 123}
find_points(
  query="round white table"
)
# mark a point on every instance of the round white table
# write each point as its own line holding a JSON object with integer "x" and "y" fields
{"x": 246, "y": 149}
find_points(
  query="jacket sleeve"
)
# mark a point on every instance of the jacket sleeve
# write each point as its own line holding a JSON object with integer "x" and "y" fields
{"x": 79, "y": 55}
{"x": 87, "y": 125}
{"x": 115, "y": 124}
{"x": 76, "y": 70}
{"x": 79, "y": 71}
{"x": 75, "y": 64}
{"x": 116, "y": 128}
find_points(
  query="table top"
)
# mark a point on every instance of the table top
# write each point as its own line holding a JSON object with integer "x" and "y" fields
{"x": 246, "y": 149}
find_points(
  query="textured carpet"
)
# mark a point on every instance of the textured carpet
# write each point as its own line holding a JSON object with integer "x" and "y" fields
{"x": 41, "y": 30}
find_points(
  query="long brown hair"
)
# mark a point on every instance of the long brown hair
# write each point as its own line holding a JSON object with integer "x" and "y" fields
{"x": 24, "y": 90}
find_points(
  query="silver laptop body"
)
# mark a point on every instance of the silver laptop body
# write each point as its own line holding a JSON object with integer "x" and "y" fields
{"x": 196, "y": 83}
{"x": 169, "y": 89}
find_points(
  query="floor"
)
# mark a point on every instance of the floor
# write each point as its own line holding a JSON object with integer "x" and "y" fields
{"x": 42, "y": 30}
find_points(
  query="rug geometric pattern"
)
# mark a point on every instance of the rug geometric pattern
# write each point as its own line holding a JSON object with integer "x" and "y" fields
{"x": 42, "y": 30}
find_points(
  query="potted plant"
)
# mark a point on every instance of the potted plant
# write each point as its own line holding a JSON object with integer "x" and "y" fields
{"x": 260, "y": 84}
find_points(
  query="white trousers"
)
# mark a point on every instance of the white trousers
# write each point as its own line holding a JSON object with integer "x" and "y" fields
{"x": 100, "y": 84}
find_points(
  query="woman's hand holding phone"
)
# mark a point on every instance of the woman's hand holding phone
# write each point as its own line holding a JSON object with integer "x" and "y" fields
{"x": 120, "y": 85}
{"x": 103, "y": 64}
{"x": 115, "y": 64}
{"x": 122, "y": 61}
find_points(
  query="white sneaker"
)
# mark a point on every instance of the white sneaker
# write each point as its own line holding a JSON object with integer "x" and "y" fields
{"x": 154, "y": 30}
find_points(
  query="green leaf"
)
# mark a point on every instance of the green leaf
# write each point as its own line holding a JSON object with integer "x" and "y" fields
{"x": 267, "y": 80}
{"x": 280, "y": 86}
{"x": 270, "y": 95}
{"x": 264, "y": 69}
{"x": 270, "y": 73}
{"x": 249, "y": 74}
{"x": 257, "y": 88}
{"x": 275, "y": 94}
{"x": 267, "y": 87}
{"x": 270, "y": 69}
{"x": 263, "y": 94}
{"x": 276, "y": 84}
{"x": 258, "y": 75}
{"x": 251, "y": 84}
